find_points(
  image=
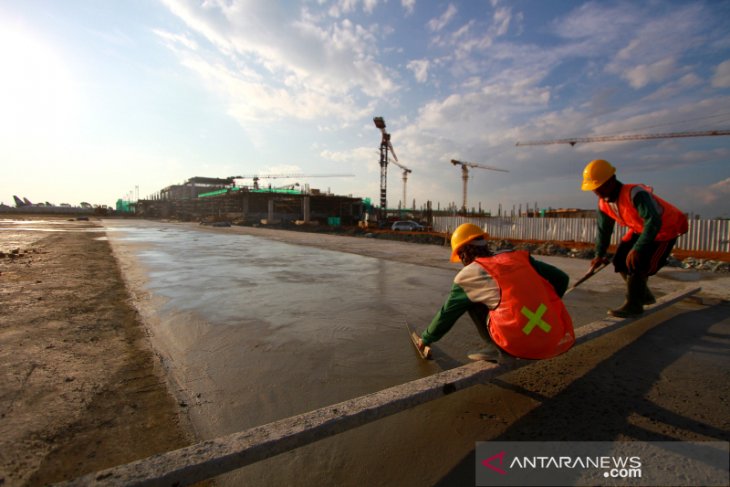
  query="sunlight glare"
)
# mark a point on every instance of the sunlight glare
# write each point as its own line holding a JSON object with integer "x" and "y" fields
{"x": 37, "y": 93}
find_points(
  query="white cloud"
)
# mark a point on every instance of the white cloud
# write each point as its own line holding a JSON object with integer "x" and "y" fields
{"x": 715, "y": 192}
{"x": 344, "y": 7}
{"x": 174, "y": 40}
{"x": 470, "y": 125}
{"x": 641, "y": 75}
{"x": 465, "y": 44}
{"x": 352, "y": 155}
{"x": 653, "y": 53}
{"x": 588, "y": 24}
{"x": 438, "y": 23}
{"x": 674, "y": 88}
{"x": 502, "y": 19}
{"x": 475, "y": 38}
{"x": 420, "y": 69}
{"x": 721, "y": 79}
{"x": 700, "y": 156}
{"x": 409, "y": 6}
{"x": 640, "y": 42}
{"x": 273, "y": 62}
{"x": 251, "y": 99}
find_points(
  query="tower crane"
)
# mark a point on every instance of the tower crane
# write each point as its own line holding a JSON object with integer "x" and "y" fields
{"x": 617, "y": 138}
{"x": 406, "y": 171}
{"x": 465, "y": 174}
{"x": 385, "y": 147}
{"x": 257, "y": 177}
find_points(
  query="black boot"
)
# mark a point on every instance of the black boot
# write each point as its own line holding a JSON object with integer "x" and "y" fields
{"x": 647, "y": 296}
{"x": 635, "y": 289}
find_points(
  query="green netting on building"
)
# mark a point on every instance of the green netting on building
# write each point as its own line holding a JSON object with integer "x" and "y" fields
{"x": 124, "y": 206}
{"x": 235, "y": 188}
{"x": 218, "y": 192}
{"x": 279, "y": 191}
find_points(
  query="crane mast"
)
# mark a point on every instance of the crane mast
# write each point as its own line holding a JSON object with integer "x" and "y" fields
{"x": 465, "y": 175}
{"x": 406, "y": 171}
{"x": 385, "y": 147}
{"x": 465, "y": 180}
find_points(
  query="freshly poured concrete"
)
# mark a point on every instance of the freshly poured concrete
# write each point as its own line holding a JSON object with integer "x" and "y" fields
{"x": 254, "y": 330}
{"x": 257, "y": 330}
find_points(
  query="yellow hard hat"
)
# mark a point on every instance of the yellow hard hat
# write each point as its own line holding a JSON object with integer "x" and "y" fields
{"x": 596, "y": 173}
{"x": 464, "y": 234}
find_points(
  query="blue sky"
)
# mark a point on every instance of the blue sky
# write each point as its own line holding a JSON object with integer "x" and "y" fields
{"x": 98, "y": 98}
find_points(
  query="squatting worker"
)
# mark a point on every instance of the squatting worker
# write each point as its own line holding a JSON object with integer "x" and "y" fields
{"x": 513, "y": 299}
{"x": 653, "y": 224}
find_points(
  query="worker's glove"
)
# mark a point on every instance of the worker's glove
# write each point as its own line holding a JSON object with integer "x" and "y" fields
{"x": 632, "y": 261}
{"x": 424, "y": 349}
{"x": 598, "y": 262}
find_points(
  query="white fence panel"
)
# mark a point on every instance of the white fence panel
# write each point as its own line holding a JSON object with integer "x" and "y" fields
{"x": 703, "y": 235}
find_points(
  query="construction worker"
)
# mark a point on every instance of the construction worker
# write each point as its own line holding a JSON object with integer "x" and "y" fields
{"x": 513, "y": 299}
{"x": 653, "y": 224}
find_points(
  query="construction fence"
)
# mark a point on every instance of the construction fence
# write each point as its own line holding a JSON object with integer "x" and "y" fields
{"x": 703, "y": 235}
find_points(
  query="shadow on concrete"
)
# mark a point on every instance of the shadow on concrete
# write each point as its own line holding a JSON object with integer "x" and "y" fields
{"x": 444, "y": 360}
{"x": 597, "y": 406}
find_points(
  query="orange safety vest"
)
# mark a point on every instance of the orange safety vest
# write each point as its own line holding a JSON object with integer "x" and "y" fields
{"x": 674, "y": 222}
{"x": 530, "y": 320}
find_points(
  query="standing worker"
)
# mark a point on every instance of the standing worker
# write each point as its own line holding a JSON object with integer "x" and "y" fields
{"x": 654, "y": 226}
{"x": 513, "y": 299}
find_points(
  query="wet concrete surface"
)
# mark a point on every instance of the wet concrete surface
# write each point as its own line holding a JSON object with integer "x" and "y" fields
{"x": 255, "y": 326}
{"x": 258, "y": 330}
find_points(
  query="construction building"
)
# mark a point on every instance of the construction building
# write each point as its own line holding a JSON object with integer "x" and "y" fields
{"x": 202, "y": 198}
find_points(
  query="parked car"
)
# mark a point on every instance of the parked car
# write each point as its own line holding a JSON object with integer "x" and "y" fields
{"x": 408, "y": 226}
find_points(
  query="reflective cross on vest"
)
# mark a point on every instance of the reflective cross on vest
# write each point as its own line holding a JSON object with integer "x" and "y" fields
{"x": 535, "y": 319}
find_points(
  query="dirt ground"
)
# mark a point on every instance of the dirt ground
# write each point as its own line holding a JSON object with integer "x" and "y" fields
{"x": 80, "y": 389}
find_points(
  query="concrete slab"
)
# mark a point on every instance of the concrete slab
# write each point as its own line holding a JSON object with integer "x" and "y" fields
{"x": 211, "y": 458}
{"x": 249, "y": 354}
{"x": 714, "y": 285}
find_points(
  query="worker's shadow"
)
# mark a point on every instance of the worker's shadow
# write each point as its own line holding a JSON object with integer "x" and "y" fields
{"x": 443, "y": 359}
{"x": 597, "y": 406}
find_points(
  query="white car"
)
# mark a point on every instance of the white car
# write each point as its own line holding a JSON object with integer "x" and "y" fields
{"x": 408, "y": 226}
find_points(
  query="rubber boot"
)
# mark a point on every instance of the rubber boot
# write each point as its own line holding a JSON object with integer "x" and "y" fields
{"x": 647, "y": 296}
{"x": 635, "y": 288}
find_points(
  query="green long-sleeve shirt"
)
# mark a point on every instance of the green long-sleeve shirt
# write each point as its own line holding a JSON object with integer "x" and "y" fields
{"x": 648, "y": 210}
{"x": 457, "y": 303}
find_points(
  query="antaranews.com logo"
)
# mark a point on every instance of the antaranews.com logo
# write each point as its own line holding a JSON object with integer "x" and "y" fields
{"x": 602, "y": 463}
{"x": 614, "y": 467}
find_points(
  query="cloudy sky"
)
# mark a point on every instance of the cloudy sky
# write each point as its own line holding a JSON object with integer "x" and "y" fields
{"x": 101, "y": 100}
